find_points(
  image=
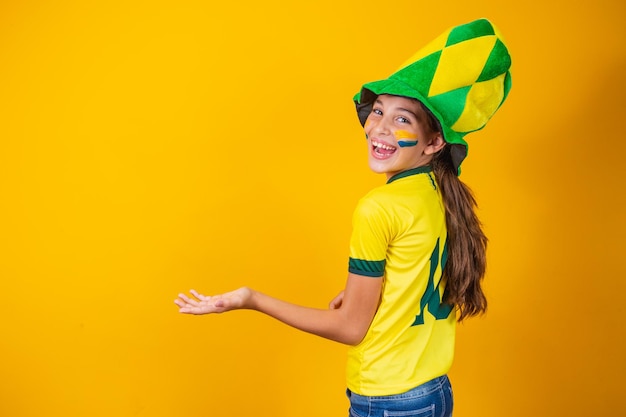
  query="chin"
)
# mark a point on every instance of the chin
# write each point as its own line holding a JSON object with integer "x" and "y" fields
{"x": 378, "y": 168}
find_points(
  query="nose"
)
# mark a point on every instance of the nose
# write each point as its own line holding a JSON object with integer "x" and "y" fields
{"x": 381, "y": 126}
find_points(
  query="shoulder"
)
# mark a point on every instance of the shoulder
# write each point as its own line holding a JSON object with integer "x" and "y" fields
{"x": 406, "y": 191}
{"x": 374, "y": 202}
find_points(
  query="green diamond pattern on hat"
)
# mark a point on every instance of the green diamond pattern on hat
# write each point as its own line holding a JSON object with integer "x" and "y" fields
{"x": 453, "y": 102}
{"x": 419, "y": 75}
{"x": 470, "y": 30}
{"x": 461, "y": 64}
{"x": 495, "y": 64}
{"x": 462, "y": 77}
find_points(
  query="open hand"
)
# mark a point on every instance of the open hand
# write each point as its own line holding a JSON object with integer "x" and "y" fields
{"x": 203, "y": 304}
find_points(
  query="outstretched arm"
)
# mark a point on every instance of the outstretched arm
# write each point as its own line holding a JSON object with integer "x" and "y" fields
{"x": 346, "y": 323}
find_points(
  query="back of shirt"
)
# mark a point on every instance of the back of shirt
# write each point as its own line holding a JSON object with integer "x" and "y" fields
{"x": 399, "y": 235}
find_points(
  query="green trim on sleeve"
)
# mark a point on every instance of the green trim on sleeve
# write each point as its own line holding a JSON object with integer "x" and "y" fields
{"x": 375, "y": 269}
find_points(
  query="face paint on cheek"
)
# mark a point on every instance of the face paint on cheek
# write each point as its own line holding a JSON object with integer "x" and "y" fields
{"x": 403, "y": 134}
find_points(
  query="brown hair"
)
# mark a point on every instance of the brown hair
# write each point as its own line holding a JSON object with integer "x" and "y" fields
{"x": 467, "y": 243}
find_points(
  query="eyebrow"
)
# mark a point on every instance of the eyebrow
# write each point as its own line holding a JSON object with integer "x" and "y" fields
{"x": 409, "y": 111}
{"x": 378, "y": 101}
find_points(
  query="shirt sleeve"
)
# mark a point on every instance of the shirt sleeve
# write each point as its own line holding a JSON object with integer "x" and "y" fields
{"x": 369, "y": 240}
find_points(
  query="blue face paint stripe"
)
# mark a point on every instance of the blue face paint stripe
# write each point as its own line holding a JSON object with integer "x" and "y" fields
{"x": 406, "y": 143}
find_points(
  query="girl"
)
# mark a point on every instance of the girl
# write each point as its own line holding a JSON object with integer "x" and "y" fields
{"x": 417, "y": 251}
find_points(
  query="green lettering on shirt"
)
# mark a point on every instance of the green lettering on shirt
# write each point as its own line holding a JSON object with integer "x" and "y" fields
{"x": 432, "y": 296}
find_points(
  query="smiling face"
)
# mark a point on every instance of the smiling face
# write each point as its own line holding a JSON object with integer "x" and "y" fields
{"x": 399, "y": 136}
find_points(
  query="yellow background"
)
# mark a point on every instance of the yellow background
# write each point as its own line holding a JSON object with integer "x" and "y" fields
{"x": 150, "y": 147}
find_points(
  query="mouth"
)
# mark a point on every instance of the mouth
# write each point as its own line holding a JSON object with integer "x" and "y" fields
{"x": 382, "y": 150}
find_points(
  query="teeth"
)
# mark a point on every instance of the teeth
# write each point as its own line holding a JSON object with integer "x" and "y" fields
{"x": 383, "y": 146}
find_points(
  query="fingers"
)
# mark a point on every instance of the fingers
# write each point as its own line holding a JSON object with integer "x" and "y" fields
{"x": 198, "y": 295}
{"x": 204, "y": 304}
{"x": 191, "y": 309}
{"x": 186, "y": 300}
{"x": 201, "y": 304}
{"x": 189, "y": 305}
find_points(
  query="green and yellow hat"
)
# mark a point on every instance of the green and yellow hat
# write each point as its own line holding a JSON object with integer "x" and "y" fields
{"x": 462, "y": 77}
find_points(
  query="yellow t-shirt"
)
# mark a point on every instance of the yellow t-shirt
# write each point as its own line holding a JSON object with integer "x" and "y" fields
{"x": 399, "y": 235}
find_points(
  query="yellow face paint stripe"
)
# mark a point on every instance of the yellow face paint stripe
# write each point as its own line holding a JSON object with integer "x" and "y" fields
{"x": 403, "y": 134}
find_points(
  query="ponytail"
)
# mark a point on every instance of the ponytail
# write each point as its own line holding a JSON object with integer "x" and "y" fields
{"x": 467, "y": 244}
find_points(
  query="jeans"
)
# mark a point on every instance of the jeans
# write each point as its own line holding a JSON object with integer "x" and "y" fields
{"x": 431, "y": 399}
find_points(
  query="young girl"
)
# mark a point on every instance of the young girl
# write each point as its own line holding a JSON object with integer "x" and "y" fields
{"x": 417, "y": 251}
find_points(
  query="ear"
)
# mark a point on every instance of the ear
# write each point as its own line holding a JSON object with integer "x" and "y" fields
{"x": 435, "y": 144}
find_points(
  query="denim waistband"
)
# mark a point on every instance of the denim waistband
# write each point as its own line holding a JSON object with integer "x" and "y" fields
{"x": 422, "y": 390}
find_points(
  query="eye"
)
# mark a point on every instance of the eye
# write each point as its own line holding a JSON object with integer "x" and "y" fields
{"x": 403, "y": 119}
{"x": 377, "y": 111}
